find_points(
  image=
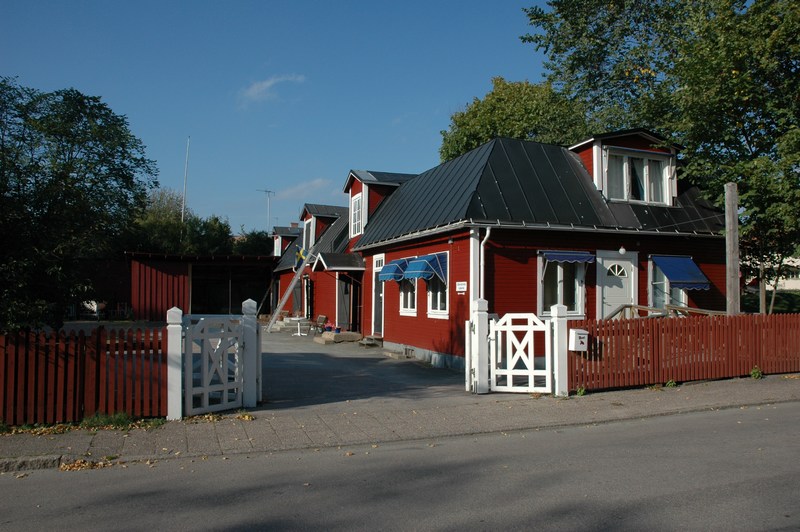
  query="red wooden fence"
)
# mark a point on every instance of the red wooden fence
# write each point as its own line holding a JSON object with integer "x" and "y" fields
{"x": 640, "y": 352}
{"x": 55, "y": 378}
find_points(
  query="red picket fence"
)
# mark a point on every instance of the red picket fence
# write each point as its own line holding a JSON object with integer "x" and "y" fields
{"x": 641, "y": 352}
{"x": 59, "y": 377}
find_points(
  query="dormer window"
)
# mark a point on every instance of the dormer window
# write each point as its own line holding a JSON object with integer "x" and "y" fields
{"x": 634, "y": 175}
{"x": 308, "y": 233}
{"x": 356, "y": 215}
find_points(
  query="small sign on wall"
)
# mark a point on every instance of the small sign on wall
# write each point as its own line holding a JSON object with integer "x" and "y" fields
{"x": 461, "y": 287}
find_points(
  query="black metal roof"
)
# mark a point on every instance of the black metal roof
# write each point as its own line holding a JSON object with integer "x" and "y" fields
{"x": 324, "y": 211}
{"x": 508, "y": 181}
{"x": 287, "y": 231}
{"x": 333, "y": 240}
{"x": 382, "y": 178}
{"x": 339, "y": 262}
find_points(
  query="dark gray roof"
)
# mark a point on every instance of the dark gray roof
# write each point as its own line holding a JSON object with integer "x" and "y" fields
{"x": 287, "y": 231}
{"x": 522, "y": 182}
{"x": 333, "y": 240}
{"x": 339, "y": 262}
{"x": 324, "y": 211}
{"x": 383, "y": 178}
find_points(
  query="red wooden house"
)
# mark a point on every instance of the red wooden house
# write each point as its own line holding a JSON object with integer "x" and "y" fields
{"x": 324, "y": 230}
{"x": 595, "y": 227}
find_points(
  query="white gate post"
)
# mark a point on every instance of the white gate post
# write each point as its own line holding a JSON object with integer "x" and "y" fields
{"x": 558, "y": 314}
{"x": 480, "y": 346}
{"x": 251, "y": 350}
{"x": 174, "y": 364}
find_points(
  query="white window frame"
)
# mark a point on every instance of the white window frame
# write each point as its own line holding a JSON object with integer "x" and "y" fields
{"x": 439, "y": 296}
{"x": 405, "y": 308}
{"x": 308, "y": 233}
{"x": 667, "y": 166}
{"x": 683, "y": 296}
{"x": 580, "y": 287}
{"x": 356, "y": 214}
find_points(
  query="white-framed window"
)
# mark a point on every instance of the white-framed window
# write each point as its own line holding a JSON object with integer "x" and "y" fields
{"x": 308, "y": 233}
{"x": 661, "y": 293}
{"x": 437, "y": 297}
{"x": 356, "y": 215}
{"x": 408, "y": 297}
{"x": 561, "y": 283}
{"x": 637, "y": 176}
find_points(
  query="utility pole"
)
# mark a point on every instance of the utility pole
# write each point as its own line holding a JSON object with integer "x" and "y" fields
{"x": 268, "y": 193}
{"x": 732, "y": 248}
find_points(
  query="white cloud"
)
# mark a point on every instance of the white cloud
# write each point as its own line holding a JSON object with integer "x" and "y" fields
{"x": 259, "y": 91}
{"x": 304, "y": 191}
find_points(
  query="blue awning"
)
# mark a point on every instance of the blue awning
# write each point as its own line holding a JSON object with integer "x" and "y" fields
{"x": 568, "y": 256}
{"x": 427, "y": 266}
{"x": 682, "y": 272}
{"x": 393, "y": 271}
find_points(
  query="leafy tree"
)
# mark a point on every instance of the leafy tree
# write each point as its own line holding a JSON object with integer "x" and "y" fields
{"x": 208, "y": 236}
{"x": 718, "y": 76}
{"x": 520, "y": 110}
{"x": 159, "y": 228}
{"x": 72, "y": 179}
{"x": 253, "y": 243}
{"x": 613, "y": 55}
{"x": 739, "y": 116}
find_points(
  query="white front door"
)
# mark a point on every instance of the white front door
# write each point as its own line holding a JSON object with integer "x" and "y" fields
{"x": 616, "y": 281}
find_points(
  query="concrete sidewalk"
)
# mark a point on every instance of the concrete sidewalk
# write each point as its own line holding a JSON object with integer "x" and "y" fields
{"x": 342, "y": 395}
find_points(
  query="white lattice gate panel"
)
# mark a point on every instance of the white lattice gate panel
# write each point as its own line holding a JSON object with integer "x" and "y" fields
{"x": 213, "y": 365}
{"x": 516, "y": 364}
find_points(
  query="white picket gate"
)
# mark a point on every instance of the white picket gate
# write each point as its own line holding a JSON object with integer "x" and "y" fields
{"x": 516, "y": 352}
{"x": 520, "y": 361}
{"x": 214, "y": 362}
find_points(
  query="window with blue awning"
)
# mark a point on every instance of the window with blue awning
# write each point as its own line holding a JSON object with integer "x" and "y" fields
{"x": 393, "y": 271}
{"x": 428, "y": 266}
{"x": 682, "y": 272}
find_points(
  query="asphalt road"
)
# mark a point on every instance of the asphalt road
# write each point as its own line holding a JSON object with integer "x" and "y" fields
{"x": 716, "y": 470}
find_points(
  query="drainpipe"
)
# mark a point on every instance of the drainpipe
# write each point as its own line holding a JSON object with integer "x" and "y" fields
{"x": 482, "y": 262}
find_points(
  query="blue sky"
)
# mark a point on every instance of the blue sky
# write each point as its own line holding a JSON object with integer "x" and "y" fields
{"x": 286, "y": 96}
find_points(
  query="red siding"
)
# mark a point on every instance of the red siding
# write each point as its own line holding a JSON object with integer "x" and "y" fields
{"x": 587, "y": 157}
{"x": 440, "y": 335}
{"x": 324, "y": 294}
{"x": 157, "y": 287}
{"x": 377, "y": 193}
{"x": 511, "y": 279}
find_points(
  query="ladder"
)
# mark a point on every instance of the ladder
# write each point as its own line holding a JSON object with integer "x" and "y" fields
{"x": 309, "y": 256}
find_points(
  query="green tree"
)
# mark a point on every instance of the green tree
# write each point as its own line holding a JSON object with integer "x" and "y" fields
{"x": 613, "y": 55}
{"x": 718, "y": 76}
{"x": 738, "y": 114}
{"x": 72, "y": 179}
{"x": 253, "y": 243}
{"x": 520, "y": 110}
{"x": 208, "y": 236}
{"x": 159, "y": 228}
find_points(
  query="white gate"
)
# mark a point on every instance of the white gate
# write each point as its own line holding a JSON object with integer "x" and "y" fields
{"x": 213, "y": 370}
{"x": 520, "y": 354}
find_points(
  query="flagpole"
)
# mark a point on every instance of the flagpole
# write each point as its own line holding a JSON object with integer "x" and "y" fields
{"x": 185, "y": 178}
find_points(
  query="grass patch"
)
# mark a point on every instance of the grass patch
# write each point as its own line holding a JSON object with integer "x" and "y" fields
{"x": 120, "y": 421}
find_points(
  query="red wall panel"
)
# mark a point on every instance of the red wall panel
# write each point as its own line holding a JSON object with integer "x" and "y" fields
{"x": 157, "y": 286}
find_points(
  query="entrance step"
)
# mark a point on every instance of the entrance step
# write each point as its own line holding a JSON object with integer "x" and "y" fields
{"x": 371, "y": 341}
